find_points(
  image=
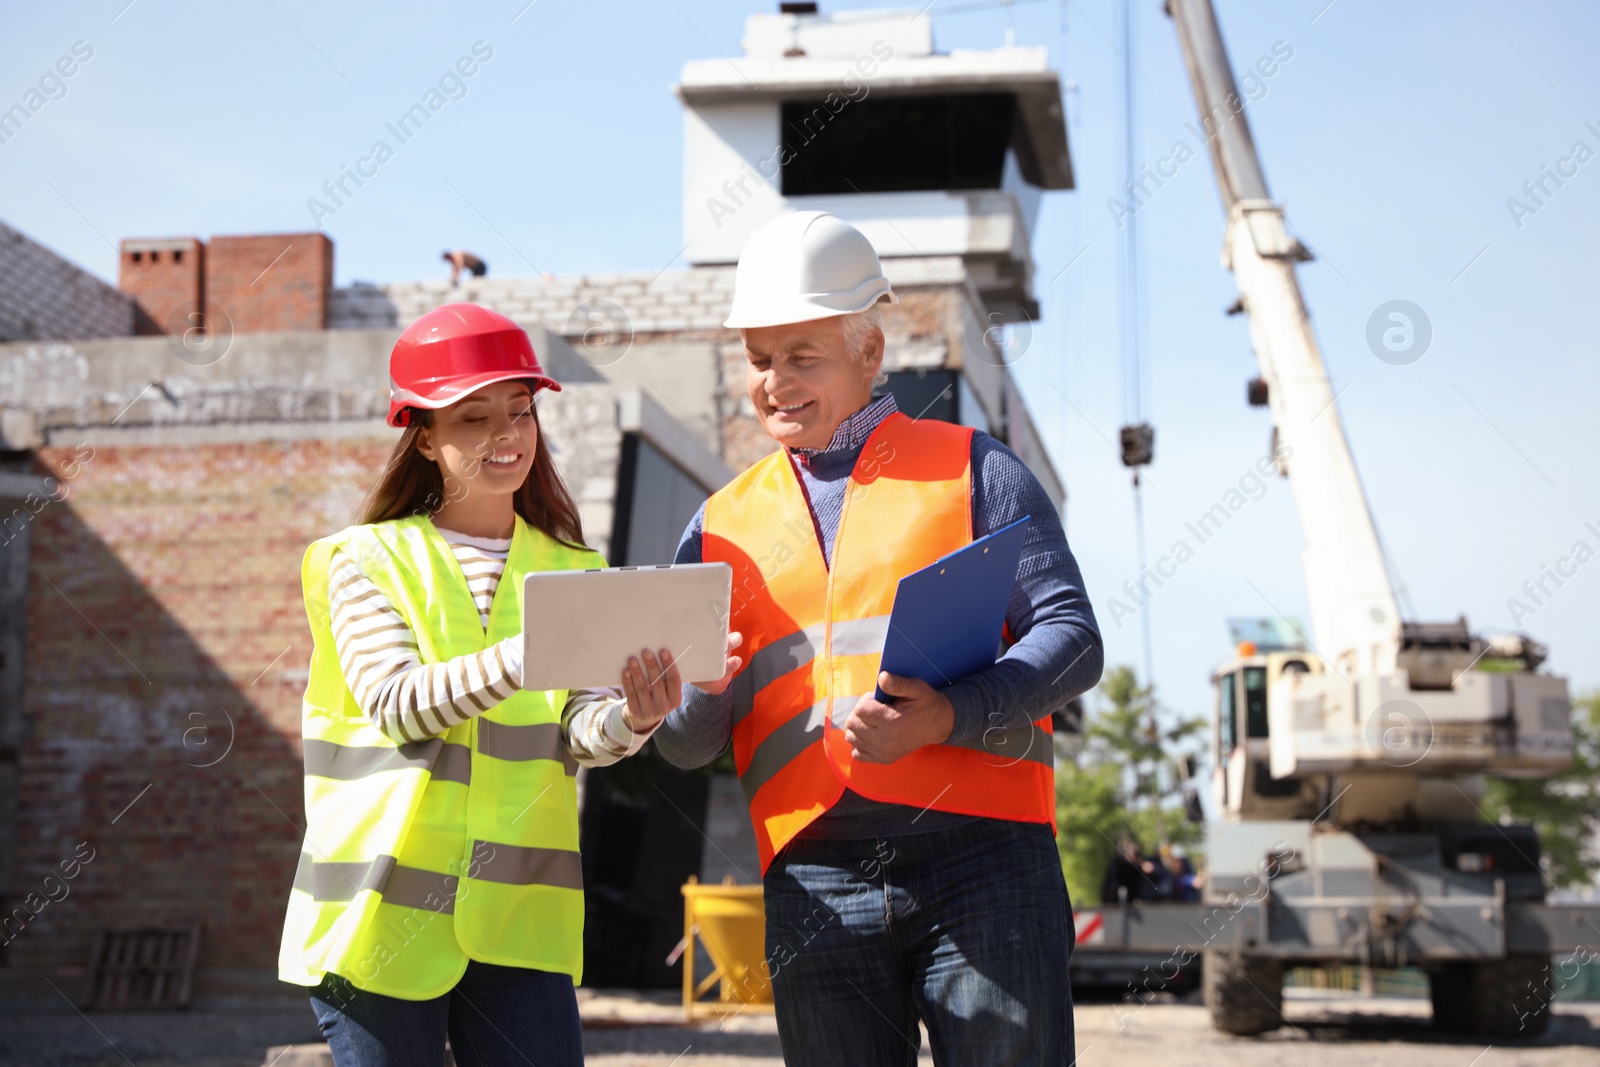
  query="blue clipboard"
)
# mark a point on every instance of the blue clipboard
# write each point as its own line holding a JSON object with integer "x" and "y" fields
{"x": 949, "y": 617}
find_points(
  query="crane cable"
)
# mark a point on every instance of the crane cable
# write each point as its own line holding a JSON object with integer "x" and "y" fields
{"x": 1137, "y": 437}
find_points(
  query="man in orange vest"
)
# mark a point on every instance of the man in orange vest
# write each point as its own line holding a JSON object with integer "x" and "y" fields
{"x": 907, "y": 849}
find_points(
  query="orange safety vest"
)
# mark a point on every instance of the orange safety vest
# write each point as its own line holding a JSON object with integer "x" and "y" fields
{"x": 813, "y": 636}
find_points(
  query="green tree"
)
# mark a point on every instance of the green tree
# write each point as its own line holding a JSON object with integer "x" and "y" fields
{"x": 1564, "y": 809}
{"x": 1124, "y": 779}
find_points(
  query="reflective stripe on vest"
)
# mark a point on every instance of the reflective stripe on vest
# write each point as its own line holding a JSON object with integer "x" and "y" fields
{"x": 815, "y": 636}
{"x": 448, "y": 763}
{"x": 420, "y": 856}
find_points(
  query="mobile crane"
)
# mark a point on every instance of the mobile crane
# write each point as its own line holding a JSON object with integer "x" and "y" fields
{"x": 1348, "y": 772}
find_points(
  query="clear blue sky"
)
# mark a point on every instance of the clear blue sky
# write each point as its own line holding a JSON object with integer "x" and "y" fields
{"x": 1395, "y": 135}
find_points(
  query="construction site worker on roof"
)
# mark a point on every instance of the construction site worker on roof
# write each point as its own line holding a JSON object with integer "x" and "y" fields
{"x": 439, "y": 890}
{"x": 908, "y": 850}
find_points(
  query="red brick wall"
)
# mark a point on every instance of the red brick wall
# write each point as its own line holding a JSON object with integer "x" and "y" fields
{"x": 164, "y": 618}
{"x": 165, "y": 276}
{"x": 265, "y": 282}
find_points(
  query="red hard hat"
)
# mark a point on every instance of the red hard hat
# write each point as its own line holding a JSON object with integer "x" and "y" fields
{"x": 454, "y": 350}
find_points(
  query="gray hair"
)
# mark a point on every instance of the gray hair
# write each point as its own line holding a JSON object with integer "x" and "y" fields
{"x": 857, "y": 328}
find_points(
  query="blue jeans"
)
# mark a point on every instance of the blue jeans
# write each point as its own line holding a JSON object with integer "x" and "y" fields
{"x": 968, "y": 930}
{"x": 494, "y": 1016}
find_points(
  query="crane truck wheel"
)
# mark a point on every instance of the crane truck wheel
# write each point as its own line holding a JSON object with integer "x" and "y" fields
{"x": 1243, "y": 993}
{"x": 1498, "y": 998}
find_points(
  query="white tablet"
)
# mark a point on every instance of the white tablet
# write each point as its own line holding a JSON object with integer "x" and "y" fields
{"x": 580, "y": 627}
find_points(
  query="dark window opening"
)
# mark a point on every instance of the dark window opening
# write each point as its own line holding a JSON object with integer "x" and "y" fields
{"x": 897, "y": 144}
{"x": 1267, "y": 786}
{"x": 137, "y": 256}
{"x": 1255, "y": 702}
{"x": 643, "y": 827}
{"x": 655, "y": 501}
{"x": 177, "y": 255}
{"x": 924, "y": 394}
{"x": 1225, "y": 715}
{"x": 155, "y": 257}
{"x": 643, "y": 820}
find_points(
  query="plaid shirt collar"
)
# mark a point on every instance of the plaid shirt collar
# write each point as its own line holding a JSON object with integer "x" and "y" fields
{"x": 854, "y": 430}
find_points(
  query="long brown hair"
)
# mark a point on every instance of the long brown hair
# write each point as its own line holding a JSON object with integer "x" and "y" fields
{"x": 412, "y": 484}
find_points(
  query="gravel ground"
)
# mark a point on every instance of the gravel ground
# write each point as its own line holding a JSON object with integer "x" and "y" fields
{"x": 1323, "y": 1032}
{"x": 633, "y": 1030}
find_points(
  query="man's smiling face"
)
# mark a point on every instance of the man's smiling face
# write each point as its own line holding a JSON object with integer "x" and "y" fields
{"x": 804, "y": 380}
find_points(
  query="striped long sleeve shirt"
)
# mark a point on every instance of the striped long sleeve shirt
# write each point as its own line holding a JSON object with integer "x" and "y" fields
{"x": 410, "y": 701}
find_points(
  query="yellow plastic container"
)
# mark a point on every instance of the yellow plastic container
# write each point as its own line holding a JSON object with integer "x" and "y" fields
{"x": 731, "y": 921}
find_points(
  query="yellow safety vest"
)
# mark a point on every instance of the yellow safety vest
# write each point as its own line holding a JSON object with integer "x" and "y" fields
{"x": 420, "y": 856}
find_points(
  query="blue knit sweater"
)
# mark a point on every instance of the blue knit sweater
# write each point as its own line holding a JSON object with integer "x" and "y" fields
{"x": 1057, "y": 654}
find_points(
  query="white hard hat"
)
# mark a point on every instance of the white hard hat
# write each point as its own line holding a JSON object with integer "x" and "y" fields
{"x": 804, "y": 266}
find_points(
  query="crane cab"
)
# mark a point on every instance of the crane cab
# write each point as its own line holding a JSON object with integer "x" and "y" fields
{"x": 1243, "y": 786}
{"x": 1291, "y": 734}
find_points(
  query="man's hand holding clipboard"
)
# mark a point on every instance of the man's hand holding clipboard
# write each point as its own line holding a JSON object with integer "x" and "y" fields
{"x": 883, "y": 733}
{"x": 947, "y": 623}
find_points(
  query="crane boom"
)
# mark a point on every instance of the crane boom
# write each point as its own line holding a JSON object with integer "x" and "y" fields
{"x": 1354, "y": 614}
{"x": 1399, "y": 699}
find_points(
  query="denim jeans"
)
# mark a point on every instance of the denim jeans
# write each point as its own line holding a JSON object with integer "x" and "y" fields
{"x": 494, "y": 1016}
{"x": 968, "y": 930}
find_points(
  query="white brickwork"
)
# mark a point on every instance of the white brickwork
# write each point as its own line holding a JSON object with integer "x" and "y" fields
{"x": 570, "y": 305}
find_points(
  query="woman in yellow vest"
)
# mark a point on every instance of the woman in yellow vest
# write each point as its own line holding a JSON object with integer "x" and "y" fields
{"x": 439, "y": 890}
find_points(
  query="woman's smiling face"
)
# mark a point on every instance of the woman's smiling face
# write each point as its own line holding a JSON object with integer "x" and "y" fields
{"x": 485, "y": 442}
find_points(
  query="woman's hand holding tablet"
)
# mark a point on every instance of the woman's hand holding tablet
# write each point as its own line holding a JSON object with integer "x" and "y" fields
{"x": 653, "y": 685}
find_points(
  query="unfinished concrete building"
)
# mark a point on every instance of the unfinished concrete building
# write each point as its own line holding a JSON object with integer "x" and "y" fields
{"x": 172, "y": 445}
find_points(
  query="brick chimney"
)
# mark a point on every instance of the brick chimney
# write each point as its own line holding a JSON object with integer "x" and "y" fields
{"x": 256, "y": 283}
{"x": 269, "y": 282}
{"x": 166, "y": 278}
